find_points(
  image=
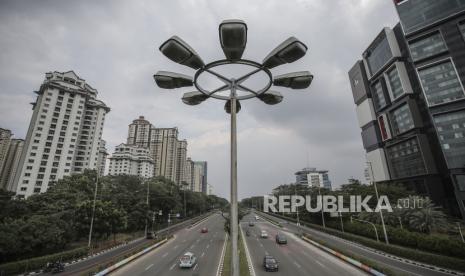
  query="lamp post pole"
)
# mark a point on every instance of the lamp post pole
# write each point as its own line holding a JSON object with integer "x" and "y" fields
{"x": 234, "y": 217}
{"x": 147, "y": 202}
{"x": 233, "y": 40}
{"x": 93, "y": 211}
{"x": 377, "y": 198}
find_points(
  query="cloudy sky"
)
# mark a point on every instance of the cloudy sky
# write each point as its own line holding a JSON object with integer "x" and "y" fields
{"x": 113, "y": 45}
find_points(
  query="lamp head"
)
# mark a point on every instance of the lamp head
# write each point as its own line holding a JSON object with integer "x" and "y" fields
{"x": 288, "y": 51}
{"x": 180, "y": 52}
{"x": 271, "y": 97}
{"x": 194, "y": 98}
{"x": 296, "y": 80}
{"x": 171, "y": 80}
{"x": 233, "y": 38}
{"x": 227, "y": 106}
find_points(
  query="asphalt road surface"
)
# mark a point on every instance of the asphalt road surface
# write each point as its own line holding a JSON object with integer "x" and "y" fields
{"x": 164, "y": 260}
{"x": 295, "y": 258}
{"x": 398, "y": 267}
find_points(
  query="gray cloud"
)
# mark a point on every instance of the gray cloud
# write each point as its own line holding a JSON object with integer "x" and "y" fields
{"x": 113, "y": 45}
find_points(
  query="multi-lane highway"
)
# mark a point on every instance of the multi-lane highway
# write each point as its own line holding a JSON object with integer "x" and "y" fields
{"x": 397, "y": 266}
{"x": 165, "y": 259}
{"x": 295, "y": 258}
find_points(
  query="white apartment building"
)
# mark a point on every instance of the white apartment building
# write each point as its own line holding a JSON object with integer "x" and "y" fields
{"x": 199, "y": 177}
{"x": 131, "y": 160}
{"x": 181, "y": 160}
{"x": 10, "y": 153}
{"x": 188, "y": 173}
{"x": 102, "y": 157}
{"x": 139, "y": 132}
{"x": 5, "y": 139}
{"x": 64, "y": 133}
{"x": 313, "y": 178}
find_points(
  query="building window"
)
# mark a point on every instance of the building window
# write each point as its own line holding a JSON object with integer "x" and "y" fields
{"x": 416, "y": 15}
{"x": 378, "y": 95}
{"x": 427, "y": 46}
{"x": 462, "y": 29}
{"x": 440, "y": 83}
{"x": 378, "y": 54}
{"x": 36, "y": 190}
{"x": 460, "y": 180}
{"x": 394, "y": 83}
{"x": 451, "y": 132}
{"x": 401, "y": 119}
{"x": 406, "y": 159}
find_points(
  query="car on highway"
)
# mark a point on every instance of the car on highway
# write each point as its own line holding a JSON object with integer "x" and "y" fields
{"x": 264, "y": 234}
{"x": 187, "y": 260}
{"x": 204, "y": 230}
{"x": 281, "y": 239}
{"x": 150, "y": 235}
{"x": 270, "y": 263}
{"x": 251, "y": 223}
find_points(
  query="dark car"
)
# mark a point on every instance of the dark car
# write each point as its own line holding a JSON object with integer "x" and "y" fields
{"x": 150, "y": 235}
{"x": 251, "y": 223}
{"x": 204, "y": 230}
{"x": 54, "y": 267}
{"x": 270, "y": 263}
{"x": 281, "y": 239}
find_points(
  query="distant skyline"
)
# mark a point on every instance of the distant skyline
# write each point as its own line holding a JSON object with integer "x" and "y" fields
{"x": 113, "y": 45}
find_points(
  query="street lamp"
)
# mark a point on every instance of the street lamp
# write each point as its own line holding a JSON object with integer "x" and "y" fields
{"x": 386, "y": 239}
{"x": 233, "y": 40}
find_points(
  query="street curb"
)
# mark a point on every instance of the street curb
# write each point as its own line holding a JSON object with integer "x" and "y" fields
{"x": 219, "y": 271}
{"x": 271, "y": 221}
{"x": 349, "y": 260}
{"x": 129, "y": 259}
{"x": 247, "y": 254}
{"x": 200, "y": 221}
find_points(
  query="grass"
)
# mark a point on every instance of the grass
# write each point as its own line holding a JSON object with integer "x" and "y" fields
{"x": 243, "y": 265}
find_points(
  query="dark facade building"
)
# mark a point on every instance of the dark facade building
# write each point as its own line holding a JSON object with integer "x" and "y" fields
{"x": 409, "y": 92}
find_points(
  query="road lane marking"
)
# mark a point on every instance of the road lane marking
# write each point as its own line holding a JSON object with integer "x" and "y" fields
{"x": 164, "y": 255}
{"x": 184, "y": 240}
{"x": 319, "y": 263}
{"x": 192, "y": 246}
{"x": 148, "y": 267}
{"x": 297, "y": 264}
{"x": 195, "y": 266}
{"x": 175, "y": 247}
{"x": 203, "y": 254}
{"x": 219, "y": 270}
{"x": 208, "y": 245}
{"x": 171, "y": 268}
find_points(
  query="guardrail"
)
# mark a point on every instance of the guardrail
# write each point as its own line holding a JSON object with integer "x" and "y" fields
{"x": 129, "y": 259}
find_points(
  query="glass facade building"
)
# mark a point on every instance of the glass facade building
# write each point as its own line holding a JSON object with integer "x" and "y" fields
{"x": 414, "y": 76}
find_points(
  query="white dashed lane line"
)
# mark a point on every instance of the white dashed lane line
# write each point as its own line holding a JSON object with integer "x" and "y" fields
{"x": 148, "y": 267}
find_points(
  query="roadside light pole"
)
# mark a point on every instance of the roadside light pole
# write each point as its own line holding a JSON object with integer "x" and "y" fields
{"x": 93, "y": 211}
{"x": 377, "y": 198}
{"x": 233, "y": 40}
{"x": 147, "y": 210}
{"x": 322, "y": 213}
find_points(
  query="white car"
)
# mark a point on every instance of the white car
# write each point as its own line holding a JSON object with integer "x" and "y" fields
{"x": 264, "y": 234}
{"x": 257, "y": 217}
{"x": 188, "y": 260}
